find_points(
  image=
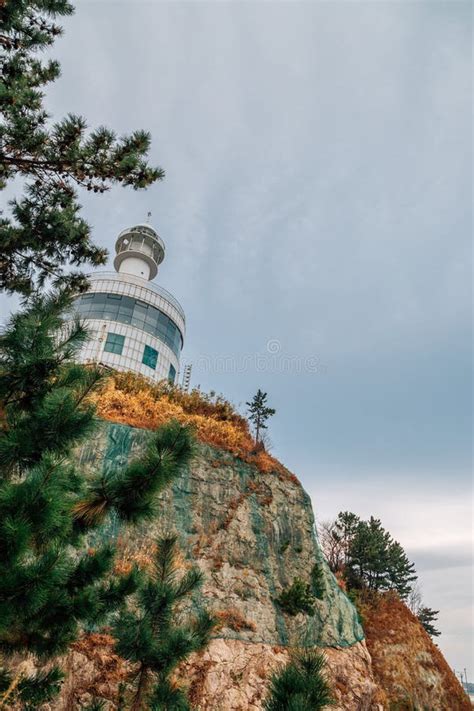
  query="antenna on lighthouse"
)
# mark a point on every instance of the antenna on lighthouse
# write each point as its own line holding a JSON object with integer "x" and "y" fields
{"x": 148, "y": 217}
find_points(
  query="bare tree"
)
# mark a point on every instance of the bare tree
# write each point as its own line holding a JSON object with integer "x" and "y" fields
{"x": 335, "y": 538}
{"x": 415, "y": 599}
{"x": 331, "y": 544}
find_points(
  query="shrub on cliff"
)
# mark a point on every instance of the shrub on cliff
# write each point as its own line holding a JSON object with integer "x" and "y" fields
{"x": 301, "y": 685}
{"x": 297, "y": 598}
{"x": 51, "y": 584}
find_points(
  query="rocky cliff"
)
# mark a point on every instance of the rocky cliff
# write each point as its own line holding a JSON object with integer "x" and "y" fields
{"x": 252, "y": 533}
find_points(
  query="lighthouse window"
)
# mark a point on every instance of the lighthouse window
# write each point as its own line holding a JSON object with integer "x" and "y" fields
{"x": 150, "y": 357}
{"x": 172, "y": 374}
{"x": 114, "y": 343}
{"x": 125, "y": 309}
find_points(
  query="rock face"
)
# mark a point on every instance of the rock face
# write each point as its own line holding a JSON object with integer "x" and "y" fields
{"x": 229, "y": 675}
{"x": 252, "y": 534}
{"x": 236, "y": 674}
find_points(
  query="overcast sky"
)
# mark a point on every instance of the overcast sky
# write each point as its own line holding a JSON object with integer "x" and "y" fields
{"x": 317, "y": 219}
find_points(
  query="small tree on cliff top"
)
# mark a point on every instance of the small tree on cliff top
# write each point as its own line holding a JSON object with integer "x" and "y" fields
{"x": 45, "y": 230}
{"x": 259, "y": 413}
{"x": 50, "y": 583}
{"x": 153, "y": 634}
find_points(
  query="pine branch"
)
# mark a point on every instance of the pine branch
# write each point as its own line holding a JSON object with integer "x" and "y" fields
{"x": 52, "y": 160}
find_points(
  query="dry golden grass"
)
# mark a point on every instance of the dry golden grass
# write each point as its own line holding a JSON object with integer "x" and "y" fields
{"x": 132, "y": 400}
{"x": 234, "y": 620}
{"x": 100, "y": 672}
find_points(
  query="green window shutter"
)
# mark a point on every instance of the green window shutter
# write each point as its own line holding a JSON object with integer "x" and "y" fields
{"x": 114, "y": 343}
{"x": 150, "y": 357}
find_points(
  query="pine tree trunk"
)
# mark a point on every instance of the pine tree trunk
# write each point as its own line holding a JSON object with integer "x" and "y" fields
{"x": 138, "y": 699}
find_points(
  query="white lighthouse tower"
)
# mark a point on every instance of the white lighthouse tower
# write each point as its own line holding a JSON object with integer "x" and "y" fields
{"x": 135, "y": 324}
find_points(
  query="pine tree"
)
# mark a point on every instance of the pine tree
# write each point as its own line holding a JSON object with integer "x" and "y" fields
{"x": 345, "y": 529}
{"x": 301, "y": 685}
{"x": 51, "y": 584}
{"x": 401, "y": 573}
{"x": 45, "y": 230}
{"x": 376, "y": 561}
{"x": 368, "y": 554}
{"x": 427, "y": 616}
{"x": 152, "y": 634}
{"x": 259, "y": 413}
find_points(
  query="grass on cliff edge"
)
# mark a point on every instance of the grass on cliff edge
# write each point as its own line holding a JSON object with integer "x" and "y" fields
{"x": 132, "y": 400}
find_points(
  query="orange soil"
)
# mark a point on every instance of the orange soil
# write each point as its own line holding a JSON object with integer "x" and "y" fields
{"x": 407, "y": 664}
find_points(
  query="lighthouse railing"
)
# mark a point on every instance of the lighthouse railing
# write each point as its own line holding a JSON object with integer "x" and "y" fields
{"x": 116, "y": 276}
